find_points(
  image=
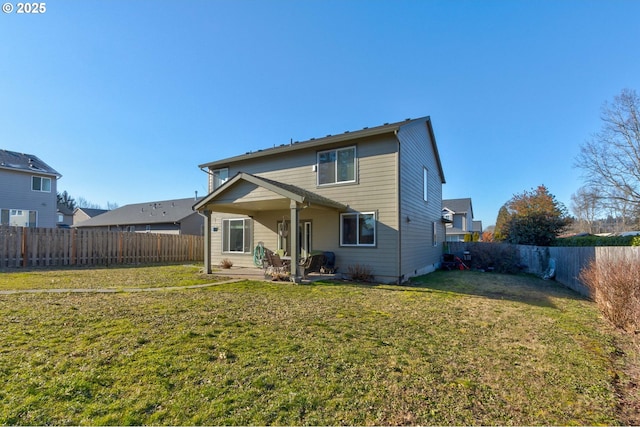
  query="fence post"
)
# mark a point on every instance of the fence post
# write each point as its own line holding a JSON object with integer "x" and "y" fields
{"x": 158, "y": 243}
{"x": 74, "y": 249}
{"x": 24, "y": 248}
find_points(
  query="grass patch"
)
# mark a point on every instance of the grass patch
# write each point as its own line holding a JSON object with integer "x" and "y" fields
{"x": 120, "y": 277}
{"x": 449, "y": 348}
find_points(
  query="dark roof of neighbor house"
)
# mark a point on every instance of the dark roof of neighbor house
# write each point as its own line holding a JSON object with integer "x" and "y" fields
{"x": 332, "y": 139}
{"x": 91, "y": 212}
{"x": 64, "y": 209}
{"x": 458, "y": 205}
{"x": 25, "y": 163}
{"x": 477, "y": 226}
{"x": 161, "y": 212}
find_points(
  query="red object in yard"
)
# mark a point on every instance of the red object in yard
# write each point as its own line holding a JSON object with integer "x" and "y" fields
{"x": 462, "y": 265}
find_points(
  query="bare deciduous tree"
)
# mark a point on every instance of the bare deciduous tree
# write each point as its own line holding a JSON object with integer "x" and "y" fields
{"x": 586, "y": 206}
{"x": 611, "y": 159}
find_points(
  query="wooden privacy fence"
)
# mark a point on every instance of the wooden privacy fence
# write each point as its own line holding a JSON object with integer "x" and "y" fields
{"x": 569, "y": 260}
{"x": 36, "y": 247}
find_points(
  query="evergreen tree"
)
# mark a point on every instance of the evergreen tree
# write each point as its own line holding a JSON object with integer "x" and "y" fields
{"x": 500, "y": 232}
{"x": 535, "y": 218}
{"x": 65, "y": 199}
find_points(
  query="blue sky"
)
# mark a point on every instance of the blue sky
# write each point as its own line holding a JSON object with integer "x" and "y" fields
{"x": 126, "y": 98}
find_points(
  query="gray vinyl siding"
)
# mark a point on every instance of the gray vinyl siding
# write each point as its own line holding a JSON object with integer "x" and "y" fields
{"x": 16, "y": 193}
{"x": 418, "y": 254}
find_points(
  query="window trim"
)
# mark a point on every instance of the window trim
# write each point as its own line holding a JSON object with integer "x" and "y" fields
{"x": 335, "y": 177}
{"x": 246, "y": 238}
{"x": 42, "y": 179}
{"x": 358, "y": 244}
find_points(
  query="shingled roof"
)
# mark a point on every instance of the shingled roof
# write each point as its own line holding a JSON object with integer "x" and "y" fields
{"x": 25, "y": 163}
{"x": 165, "y": 211}
{"x": 332, "y": 139}
{"x": 458, "y": 205}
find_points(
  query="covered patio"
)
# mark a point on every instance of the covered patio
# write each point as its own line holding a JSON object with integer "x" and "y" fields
{"x": 264, "y": 201}
{"x": 258, "y": 274}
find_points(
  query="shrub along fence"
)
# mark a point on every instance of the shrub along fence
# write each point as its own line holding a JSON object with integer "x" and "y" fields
{"x": 37, "y": 247}
{"x": 569, "y": 261}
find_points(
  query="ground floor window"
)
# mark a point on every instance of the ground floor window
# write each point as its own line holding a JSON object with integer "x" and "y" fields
{"x": 18, "y": 217}
{"x": 236, "y": 235}
{"x": 358, "y": 229}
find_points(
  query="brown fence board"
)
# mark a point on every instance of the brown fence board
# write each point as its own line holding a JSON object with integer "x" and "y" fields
{"x": 36, "y": 247}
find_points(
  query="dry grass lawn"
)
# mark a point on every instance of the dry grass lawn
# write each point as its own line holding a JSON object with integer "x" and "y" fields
{"x": 449, "y": 348}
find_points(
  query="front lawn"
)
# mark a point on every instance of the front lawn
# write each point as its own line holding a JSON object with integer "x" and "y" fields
{"x": 449, "y": 348}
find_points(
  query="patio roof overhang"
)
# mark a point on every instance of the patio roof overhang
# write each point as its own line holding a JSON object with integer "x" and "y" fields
{"x": 248, "y": 194}
{"x": 279, "y": 196}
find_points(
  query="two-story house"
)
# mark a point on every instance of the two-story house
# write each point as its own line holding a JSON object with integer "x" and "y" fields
{"x": 28, "y": 191}
{"x": 372, "y": 197}
{"x": 458, "y": 214}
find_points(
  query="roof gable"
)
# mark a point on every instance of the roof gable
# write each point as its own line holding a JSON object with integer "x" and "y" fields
{"x": 279, "y": 189}
{"x": 91, "y": 212}
{"x": 458, "y": 206}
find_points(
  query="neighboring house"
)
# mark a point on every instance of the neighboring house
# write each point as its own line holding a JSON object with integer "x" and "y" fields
{"x": 477, "y": 228}
{"x": 372, "y": 197}
{"x": 458, "y": 214}
{"x": 167, "y": 217}
{"x": 83, "y": 214}
{"x": 65, "y": 216}
{"x": 28, "y": 193}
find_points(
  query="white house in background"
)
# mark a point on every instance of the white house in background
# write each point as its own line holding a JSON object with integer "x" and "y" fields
{"x": 458, "y": 214}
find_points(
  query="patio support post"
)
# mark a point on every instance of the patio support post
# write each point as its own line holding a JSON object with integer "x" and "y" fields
{"x": 293, "y": 233}
{"x": 207, "y": 241}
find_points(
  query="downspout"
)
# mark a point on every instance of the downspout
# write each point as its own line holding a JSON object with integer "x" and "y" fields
{"x": 399, "y": 199}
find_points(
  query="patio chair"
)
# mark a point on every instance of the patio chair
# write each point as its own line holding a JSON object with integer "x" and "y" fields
{"x": 279, "y": 262}
{"x": 275, "y": 266}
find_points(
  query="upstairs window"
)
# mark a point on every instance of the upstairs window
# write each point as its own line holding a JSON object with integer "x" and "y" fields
{"x": 358, "y": 229}
{"x": 217, "y": 178}
{"x": 425, "y": 184}
{"x": 337, "y": 166}
{"x": 39, "y": 183}
{"x": 449, "y": 217}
